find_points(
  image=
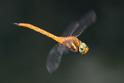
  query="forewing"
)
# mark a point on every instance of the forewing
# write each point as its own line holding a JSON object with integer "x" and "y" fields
{"x": 76, "y": 28}
{"x": 54, "y": 57}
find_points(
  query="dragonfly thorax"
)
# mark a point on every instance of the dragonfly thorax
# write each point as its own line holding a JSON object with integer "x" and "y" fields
{"x": 72, "y": 43}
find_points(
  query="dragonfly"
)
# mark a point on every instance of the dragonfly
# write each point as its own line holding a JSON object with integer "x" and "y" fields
{"x": 68, "y": 42}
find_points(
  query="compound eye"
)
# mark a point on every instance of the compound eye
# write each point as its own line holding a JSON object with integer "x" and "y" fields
{"x": 81, "y": 49}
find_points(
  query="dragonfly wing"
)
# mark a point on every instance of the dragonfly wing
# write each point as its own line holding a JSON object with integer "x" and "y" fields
{"x": 76, "y": 28}
{"x": 54, "y": 57}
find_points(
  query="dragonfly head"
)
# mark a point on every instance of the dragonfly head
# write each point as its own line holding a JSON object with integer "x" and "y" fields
{"x": 83, "y": 48}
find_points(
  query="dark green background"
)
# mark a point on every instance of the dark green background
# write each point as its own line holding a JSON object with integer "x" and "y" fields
{"x": 23, "y": 52}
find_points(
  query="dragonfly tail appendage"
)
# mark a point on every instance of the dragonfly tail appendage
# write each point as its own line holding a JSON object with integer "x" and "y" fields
{"x": 37, "y": 29}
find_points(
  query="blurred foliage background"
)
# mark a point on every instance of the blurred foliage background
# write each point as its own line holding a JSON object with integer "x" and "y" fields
{"x": 23, "y": 52}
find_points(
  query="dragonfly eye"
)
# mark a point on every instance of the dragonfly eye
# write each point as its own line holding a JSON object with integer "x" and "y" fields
{"x": 83, "y": 49}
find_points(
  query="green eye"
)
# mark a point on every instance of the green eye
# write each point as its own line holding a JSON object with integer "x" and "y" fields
{"x": 81, "y": 48}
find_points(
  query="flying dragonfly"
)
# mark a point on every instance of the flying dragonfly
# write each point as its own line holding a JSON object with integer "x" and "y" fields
{"x": 67, "y": 42}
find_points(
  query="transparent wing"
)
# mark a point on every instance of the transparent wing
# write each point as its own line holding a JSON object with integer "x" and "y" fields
{"x": 76, "y": 28}
{"x": 54, "y": 57}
